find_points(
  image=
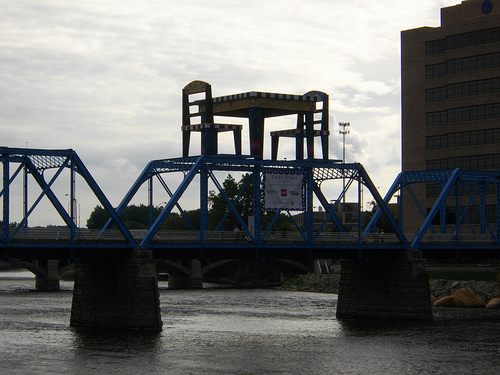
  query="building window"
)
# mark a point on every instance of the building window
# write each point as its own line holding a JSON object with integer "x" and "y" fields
{"x": 436, "y": 118}
{"x": 464, "y": 64}
{"x": 435, "y": 70}
{"x": 437, "y": 94}
{"x": 473, "y": 38}
{"x": 434, "y": 189}
{"x": 473, "y": 88}
{"x": 463, "y": 89}
{"x": 472, "y": 215}
{"x": 435, "y": 47}
{"x": 471, "y": 63}
{"x": 463, "y": 114}
{"x": 472, "y": 162}
{"x": 437, "y": 142}
{"x": 474, "y": 113}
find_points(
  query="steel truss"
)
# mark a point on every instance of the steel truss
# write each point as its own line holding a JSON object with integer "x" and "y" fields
{"x": 34, "y": 162}
{"x": 314, "y": 171}
{"x": 454, "y": 183}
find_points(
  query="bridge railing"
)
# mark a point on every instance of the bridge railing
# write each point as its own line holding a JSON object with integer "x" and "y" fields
{"x": 468, "y": 238}
{"x": 49, "y": 235}
{"x": 81, "y": 235}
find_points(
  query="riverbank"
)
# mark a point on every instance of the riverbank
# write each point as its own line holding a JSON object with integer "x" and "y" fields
{"x": 318, "y": 283}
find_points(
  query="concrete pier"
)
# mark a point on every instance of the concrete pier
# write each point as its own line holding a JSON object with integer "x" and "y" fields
{"x": 117, "y": 293}
{"x": 193, "y": 280}
{"x": 49, "y": 281}
{"x": 385, "y": 289}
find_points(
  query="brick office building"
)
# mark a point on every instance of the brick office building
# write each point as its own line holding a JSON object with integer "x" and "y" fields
{"x": 451, "y": 97}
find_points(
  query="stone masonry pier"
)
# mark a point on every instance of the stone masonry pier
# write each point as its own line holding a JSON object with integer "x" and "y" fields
{"x": 117, "y": 293}
{"x": 385, "y": 289}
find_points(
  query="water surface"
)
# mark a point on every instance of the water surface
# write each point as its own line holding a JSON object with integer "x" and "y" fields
{"x": 227, "y": 331}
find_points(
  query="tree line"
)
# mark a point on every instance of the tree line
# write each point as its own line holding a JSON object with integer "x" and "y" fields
{"x": 219, "y": 216}
{"x": 240, "y": 193}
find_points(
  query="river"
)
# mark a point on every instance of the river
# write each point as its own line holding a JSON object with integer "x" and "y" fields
{"x": 231, "y": 331}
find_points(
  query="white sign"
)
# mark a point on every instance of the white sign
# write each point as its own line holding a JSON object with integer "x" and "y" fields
{"x": 283, "y": 191}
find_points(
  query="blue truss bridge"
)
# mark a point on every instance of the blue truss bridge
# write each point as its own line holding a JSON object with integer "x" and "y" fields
{"x": 311, "y": 239}
{"x": 462, "y": 220}
{"x": 439, "y": 214}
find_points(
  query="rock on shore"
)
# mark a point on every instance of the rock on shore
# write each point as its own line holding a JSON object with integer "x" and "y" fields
{"x": 318, "y": 283}
{"x": 486, "y": 290}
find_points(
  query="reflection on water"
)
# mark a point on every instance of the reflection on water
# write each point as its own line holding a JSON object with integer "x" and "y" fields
{"x": 227, "y": 331}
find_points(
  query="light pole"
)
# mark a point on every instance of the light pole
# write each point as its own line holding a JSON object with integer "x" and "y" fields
{"x": 75, "y": 206}
{"x": 343, "y": 131}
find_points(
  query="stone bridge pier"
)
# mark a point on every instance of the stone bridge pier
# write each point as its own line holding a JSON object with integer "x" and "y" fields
{"x": 47, "y": 273}
{"x": 49, "y": 280}
{"x": 117, "y": 293}
{"x": 190, "y": 278}
{"x": 385, "y": 288}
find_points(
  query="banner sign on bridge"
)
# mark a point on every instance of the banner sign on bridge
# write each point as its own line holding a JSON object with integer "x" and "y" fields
{"x": 283, "y": 191}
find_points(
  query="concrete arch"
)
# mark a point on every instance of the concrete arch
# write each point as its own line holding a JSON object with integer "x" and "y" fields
{"x": 205, "y": 270}
{"x": 286, "y": 266}
{"x": 30, "y": 266}
{"x": 66, "y": 268}
{"x": 46, "y": 275}
{"x": 173, "y": 268}
{"x": 290, "y": 266}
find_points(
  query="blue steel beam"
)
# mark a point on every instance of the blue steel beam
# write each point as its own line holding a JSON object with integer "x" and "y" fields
{"x": 383, "y": 206}
{"x": 330, "y": 209}
{"x": 154, "y": 167}
{"x": 83, "y": 171}
{"x": 230, "y": 204}
{"x": 435, "y": 208}
{"x": 47, "y": 191}
{"x": 178, "y": 206}
{"x": 240, "y": 194}
{"x": 321, "y": 170}
{"x": 195, "y": 168}
{"x": 144, "y": 176}
{"x": 6, "y": 198}
{"x": 36, "y": 162}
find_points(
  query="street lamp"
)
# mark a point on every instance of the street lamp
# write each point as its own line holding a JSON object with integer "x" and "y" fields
{"x": 343, "y": 131}
{"x": 76, "y": 207}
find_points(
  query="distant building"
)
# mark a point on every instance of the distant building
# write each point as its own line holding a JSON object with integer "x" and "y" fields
{"x": 450, "y": 77}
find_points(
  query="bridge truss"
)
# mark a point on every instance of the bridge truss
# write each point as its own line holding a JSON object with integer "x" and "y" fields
{"x": 310, "y": 239}
{"x": 314, "y": 173}
{"x": 462, "y": 192}
{"x": 32, "y": 164}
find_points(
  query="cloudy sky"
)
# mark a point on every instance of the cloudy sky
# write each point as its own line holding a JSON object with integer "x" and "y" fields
{"x": 104, "y": 77}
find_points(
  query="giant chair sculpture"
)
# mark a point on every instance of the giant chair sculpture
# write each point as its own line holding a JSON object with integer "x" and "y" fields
{"x": 203, "y": 109}
{"x": 305, "y": 129}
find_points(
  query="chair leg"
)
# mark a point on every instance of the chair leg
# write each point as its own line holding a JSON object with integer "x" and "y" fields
{"x": 324, "y": 146}
{"x": 186, "y": 136}
{"x": 237, "y": 141}
{"x": 275, "y": 139}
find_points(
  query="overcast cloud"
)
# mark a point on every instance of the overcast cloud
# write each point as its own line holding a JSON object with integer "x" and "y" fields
{"x": 105, "y": 77}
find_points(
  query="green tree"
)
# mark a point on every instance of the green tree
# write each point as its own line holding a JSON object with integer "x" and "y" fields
{"x": 134, "y": 217}
{"x": 98, "y": 217}
{"x": 244, "y": 206}
{"x": 383, "y": 223}
{"x": 218, "y": 206}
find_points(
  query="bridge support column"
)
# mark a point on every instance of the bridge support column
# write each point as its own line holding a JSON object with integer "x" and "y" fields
{"x": 117, "y": 293}
{"x": 385, "y": 289}
{"x": 50, "y": 281}
{"x": 192, "y": 281}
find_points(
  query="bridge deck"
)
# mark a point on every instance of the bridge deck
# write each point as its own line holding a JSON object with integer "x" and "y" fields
{"x": 43, "y": 243}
